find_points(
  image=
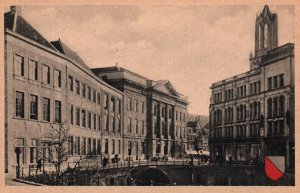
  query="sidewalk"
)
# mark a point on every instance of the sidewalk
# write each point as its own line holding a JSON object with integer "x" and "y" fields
{"x": 11, "y": 182}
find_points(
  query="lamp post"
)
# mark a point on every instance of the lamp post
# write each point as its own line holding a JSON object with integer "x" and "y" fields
{"x": 18, "y": 150}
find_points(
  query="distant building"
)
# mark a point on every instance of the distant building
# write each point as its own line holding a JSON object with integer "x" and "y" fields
{"x": 252, "y": 114}
{"x": 197, "y": 135}
{"x": 154, "y": 113}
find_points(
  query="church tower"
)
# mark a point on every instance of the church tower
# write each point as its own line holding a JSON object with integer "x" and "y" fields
{"x": 266, "y": 36}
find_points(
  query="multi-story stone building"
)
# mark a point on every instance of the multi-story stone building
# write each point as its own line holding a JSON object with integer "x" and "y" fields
{"x": 197, "y": 135}
{"x": 154, "y": 113}
{"x": 48, "y": 86}
{"x": 252, "y": 114}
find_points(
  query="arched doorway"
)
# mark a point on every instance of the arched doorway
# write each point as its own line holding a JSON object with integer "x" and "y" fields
{"x": 152, "y": 176}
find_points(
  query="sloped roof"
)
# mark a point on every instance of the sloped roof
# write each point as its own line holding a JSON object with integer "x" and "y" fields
{"x": 64, "y": 49}
{"x": 22, "y": 27}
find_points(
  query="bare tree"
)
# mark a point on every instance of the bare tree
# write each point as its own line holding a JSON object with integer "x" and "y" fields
{"x": 58, "y": 148}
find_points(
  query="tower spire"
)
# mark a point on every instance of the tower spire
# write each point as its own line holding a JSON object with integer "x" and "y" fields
{"x": 266, "y": 36}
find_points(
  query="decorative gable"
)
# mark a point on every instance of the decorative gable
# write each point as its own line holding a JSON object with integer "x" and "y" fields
{"x": 166, "y": 87}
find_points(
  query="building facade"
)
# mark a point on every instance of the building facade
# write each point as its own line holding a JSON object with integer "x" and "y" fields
{"x": 48, "y": 86}
{"x": 198, "y": 135}
{"x": 154, "y": 114}
{"x": 252, "y": 114}
{"x": 107, "y": 113}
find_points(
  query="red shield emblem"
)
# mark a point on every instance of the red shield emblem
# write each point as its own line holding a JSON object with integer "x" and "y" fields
{"x": 274, "y": 167}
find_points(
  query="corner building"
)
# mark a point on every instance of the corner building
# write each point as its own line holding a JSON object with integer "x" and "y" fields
{"x": 48, "y": 85}
{"x": 252, "y": 114}
{"x": 154, "y": 114}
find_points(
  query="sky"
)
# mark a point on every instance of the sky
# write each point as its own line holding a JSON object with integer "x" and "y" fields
{"x": 191, "y": 46}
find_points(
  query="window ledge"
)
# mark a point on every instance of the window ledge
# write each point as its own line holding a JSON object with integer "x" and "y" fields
{"x": 19, "y": 118}
{"x": 47, "y": 85}
{"x": 18, "y": 77}
{"x": 58, "y": 89}
{"x": 36, "y": 82}
{"x": 34, "y": 120}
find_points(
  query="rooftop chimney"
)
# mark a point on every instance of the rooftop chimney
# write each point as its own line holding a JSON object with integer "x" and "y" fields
{"x": 16, "y": 10}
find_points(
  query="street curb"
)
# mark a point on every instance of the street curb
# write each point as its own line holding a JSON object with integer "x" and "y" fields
{"x": 28, "y": 182}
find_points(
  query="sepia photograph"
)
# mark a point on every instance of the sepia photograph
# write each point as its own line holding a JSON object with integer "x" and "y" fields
{"x": 149, "y": 95}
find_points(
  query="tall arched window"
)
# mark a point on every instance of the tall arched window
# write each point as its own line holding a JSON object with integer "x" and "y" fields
{"x": 281, "y": 106}
{"x": 269, "y": 107}
{"x": 275, "y": 106}
{"x": 245, "y": 112}
{"x": 238, "y": 113}
{"x": 251, "y": 112}
{"x": 241, "y": 112}
{"x": 255, "y": 110}
{"x": 214, "y": 118}
{"x": 220, "y": 116}
{"x": 258, "y": 109}
{"x": 259, "y": 37}
{"x": 266, "y": 38}
{"x": 226, "y": 116}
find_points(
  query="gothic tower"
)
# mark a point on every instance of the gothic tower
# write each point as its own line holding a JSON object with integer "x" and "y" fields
{"x": 266, "y": 37}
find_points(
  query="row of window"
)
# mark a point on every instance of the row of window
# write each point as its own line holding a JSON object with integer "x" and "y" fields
{"x": 217, "y": 133}
{"x": 179, "y": 116}
{"x": 34, "y": 106}
{"x": 254, "y": 110}
{"x": 84, "y": 146}
{"x": 111, "y": 123}
{"x": 85, "y": 91}
{"x": 276, "y": 81}
{"x": 135, "y": 149}
{"x": 139, "y": 128}
{"x": 241, "y": 131}
{"x": 275, "y": 127}
{"x": 241, "y": 91}
{"x": 91, "y": 94}
{"x": 229, "y": 132}
{"x": 33, "y": 71}
{"x": 217, "y": 97}
{"x": 84, "y": 118}
{"x": 33, "y": 150}
{"x": 254, "y": 130}
{"x": 179, "y": 131}
{"x": 74, "y": 85}
{"x": 255, "y": 87}
{"x": 228, "y": 94}
{"x": 229, "y": 115}
{"x": 77, "y": 116}
{"x": 218, "y": 117}
{"x": 276, "y": 106}
{"x": 139, "y": 106}
{"x": 75, "y": 146}
{"x": 241, "y": 113}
